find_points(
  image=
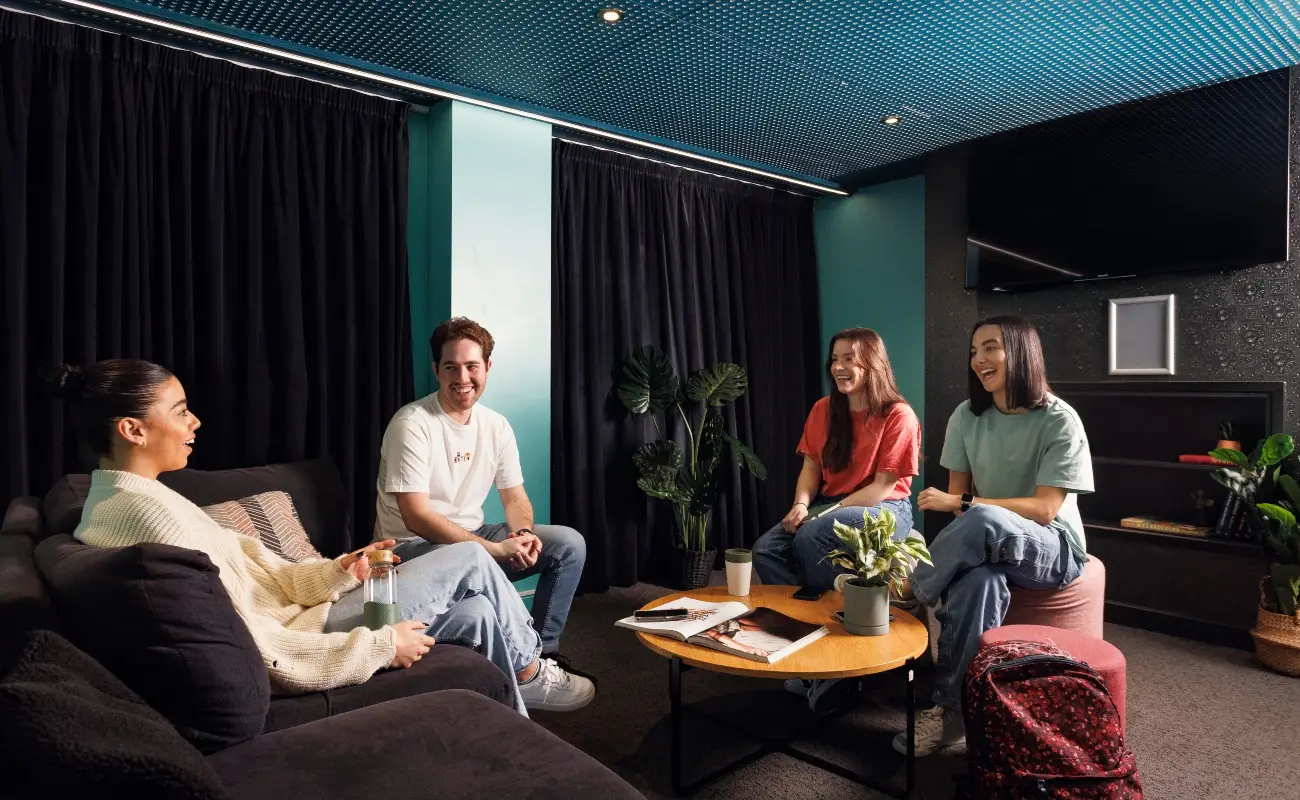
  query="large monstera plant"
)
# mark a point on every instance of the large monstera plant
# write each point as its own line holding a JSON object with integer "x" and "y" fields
{"x": 687, "y": 479}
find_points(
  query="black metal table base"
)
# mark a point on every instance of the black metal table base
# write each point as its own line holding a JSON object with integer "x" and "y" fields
{"x": 769, "y": 745}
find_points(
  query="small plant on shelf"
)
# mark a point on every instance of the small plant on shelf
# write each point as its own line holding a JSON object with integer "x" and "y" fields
{"x": 1228, "y": 437}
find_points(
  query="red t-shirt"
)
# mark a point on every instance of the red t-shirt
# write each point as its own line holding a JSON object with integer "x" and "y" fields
{"x": 891, "y": 443}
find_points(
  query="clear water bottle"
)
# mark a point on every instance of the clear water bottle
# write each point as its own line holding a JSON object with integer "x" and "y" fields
{"x": 380, "y": 590}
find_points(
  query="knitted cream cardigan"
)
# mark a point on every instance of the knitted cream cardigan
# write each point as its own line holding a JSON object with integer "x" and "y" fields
{"x": 284, "y": 604}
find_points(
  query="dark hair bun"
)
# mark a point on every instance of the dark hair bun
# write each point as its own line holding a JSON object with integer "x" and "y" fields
{"x": 65, "y": 381}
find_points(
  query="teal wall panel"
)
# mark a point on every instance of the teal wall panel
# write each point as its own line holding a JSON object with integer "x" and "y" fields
{"x": 871, "y": 272}
{"x": 480, "y": 244}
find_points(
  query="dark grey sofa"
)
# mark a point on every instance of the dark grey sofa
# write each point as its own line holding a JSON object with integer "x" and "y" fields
{"x": 157, "y": 619}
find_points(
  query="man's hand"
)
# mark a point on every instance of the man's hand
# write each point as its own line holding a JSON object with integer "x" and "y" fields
{"x": 932, "y": 499}
{"x": 532, "y": 548}
{"x": 412, "y": 643}
{"x": 798, "y": 513}
{"x": 512, "y": 553}
{"x": 357, "y": 563}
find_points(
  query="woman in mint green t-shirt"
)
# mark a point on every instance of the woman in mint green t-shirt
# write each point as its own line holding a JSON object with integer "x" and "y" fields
{"x": 1017, "y": 459}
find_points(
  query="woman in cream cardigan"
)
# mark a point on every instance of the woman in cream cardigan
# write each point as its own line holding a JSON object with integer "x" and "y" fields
{"x": 305, "y": 617}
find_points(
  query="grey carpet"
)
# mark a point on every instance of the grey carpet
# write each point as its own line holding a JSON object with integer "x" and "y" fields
{"x": 1204, "y": 721}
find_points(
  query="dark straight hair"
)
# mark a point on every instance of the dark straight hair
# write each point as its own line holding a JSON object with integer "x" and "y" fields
{"x": 1026, "y": 370}
{"x": 881, "y": 389}
{"x": 105, "y": 392}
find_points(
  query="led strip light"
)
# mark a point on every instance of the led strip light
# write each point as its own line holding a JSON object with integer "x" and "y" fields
{"x": 288, "y": 55}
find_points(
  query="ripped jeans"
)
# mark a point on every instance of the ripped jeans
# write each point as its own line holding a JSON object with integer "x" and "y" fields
{"x": 974, "y": 558}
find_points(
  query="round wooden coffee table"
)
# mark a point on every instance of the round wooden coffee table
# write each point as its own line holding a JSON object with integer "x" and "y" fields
{"x": 838, "y": 654}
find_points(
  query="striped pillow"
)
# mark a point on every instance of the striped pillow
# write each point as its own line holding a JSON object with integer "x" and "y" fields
{"x": 271, "y": 517}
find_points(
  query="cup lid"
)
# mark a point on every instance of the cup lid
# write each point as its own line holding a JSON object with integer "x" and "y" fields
{"x": 739, "y": 555}
{"x": 380, "y": 556}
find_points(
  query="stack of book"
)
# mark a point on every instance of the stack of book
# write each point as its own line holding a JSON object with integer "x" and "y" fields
{"x": 1232, "y": 521}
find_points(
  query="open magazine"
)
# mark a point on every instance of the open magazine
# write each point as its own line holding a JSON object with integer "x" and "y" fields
{"x": 761, "y": 635}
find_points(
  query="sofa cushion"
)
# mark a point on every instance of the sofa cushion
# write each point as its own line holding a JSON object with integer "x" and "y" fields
{"x": 159, "y": 618}
{"x": 452, "y": 745}
{"x": 270, "y": 517}
{"x": 63, "y": 504}
{"x": 68, "y": 728}
{"x": 445, "y": 667}
{"x": 315, "y": 486}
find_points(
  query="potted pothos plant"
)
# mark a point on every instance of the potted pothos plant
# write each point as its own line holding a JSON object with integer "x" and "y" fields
{"x": 688, "y": 479}
{"x": 878, "y": 563}
{"x": 1266, "y": 483}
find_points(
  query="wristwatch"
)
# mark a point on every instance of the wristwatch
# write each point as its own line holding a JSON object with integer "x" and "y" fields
{"x": 966, "y": 499}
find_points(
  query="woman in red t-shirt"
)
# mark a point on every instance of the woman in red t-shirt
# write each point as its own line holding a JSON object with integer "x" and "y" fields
{"x": 860, "y": 448}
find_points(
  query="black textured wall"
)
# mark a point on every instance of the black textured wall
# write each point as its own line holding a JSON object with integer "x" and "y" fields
{"x": 1239, "y": 325}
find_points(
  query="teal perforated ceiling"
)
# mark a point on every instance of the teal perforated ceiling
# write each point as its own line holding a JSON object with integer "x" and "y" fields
{"x": 796, "y": 86}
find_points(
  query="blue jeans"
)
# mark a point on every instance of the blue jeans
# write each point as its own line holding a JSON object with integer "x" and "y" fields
{"x": 974, "y": 558}
{"x": 782, "y": 558}
{"x": 564, "y": 552}
{"x": 465, "y": 599}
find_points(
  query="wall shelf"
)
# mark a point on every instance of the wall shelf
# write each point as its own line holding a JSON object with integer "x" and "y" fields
{"x": 1149, "y": 464}
{"x": 1192, "y": 586}
{"x": 1200, "y": 542}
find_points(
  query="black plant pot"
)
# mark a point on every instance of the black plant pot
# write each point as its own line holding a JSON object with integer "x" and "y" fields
{"x": 691, "y": 569}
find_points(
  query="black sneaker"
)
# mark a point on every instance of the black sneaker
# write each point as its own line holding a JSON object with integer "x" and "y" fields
{"x": 828, "y": 696}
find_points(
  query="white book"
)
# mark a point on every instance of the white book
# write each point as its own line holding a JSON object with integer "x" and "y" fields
{"x": 762, "y": 634}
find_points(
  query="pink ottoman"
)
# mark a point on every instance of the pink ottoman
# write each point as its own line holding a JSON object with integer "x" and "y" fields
{"x": 1101, "y": 655}
{"x": 1078, "y": 607}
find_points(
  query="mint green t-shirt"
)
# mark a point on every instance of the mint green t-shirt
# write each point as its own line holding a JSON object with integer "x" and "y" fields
{"x": 1010, "y": 455}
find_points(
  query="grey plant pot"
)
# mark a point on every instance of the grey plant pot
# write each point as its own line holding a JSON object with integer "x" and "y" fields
{"x": 866, "y": 609}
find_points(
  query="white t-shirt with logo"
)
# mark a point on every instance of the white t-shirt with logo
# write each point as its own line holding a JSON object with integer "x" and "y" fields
{"x": 425, "y": 450}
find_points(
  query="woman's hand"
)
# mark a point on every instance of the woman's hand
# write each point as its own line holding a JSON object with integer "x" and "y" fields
{"x": 411, "y": 642}
{"x": 932, "y": 499}
{"x": 357, "y": 563}
{"x": 798, "y": 513}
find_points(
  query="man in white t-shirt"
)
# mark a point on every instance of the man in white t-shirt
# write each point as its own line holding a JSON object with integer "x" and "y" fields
{"x": 441, "y": 456}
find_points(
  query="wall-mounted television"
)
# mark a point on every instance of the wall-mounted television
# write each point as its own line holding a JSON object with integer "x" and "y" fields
{"x": 1192, "y": 181}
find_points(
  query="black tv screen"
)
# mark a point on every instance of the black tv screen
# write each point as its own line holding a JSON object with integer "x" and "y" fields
{"x": 1189, "y": 181}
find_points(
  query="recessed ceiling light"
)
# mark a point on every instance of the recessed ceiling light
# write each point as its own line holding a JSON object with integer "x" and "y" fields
{"x": 611, "y": 15}
{"x": 892, "y": 119}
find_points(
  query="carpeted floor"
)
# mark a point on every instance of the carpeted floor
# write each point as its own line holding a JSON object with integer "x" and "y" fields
{"x": 1205, "y": 722}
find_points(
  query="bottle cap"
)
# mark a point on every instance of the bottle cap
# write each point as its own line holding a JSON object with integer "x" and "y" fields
{"x": 380, "y": 557}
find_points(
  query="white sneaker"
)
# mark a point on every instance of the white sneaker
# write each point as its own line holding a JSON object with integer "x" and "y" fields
{"x": 553, "y": 689}
{"x": 935, "y": 728}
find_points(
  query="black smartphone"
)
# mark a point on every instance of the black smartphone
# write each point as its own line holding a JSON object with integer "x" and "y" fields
{"x": 808, "y": 593}
{"x": 661, "y": 615}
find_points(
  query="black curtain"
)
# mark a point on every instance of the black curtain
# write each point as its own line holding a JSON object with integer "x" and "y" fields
{"x": 708, "y": 270}
{"x": 245, "y": 229}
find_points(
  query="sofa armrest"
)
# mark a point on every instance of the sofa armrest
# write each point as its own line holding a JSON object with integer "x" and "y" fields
{"x": 23, "y": 518}
{"x": 25, "y": 603}
{"x": 450, "y": 745}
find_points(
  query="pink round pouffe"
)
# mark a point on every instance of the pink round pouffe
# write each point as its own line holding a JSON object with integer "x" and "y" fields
{"x": 1097, "y": 653}
{"x": 1078, "y": 607}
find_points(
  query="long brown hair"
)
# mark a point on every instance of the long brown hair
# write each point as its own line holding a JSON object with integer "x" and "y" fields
{"x": 1026, "y": 369}
{"x": 882, "y": 393}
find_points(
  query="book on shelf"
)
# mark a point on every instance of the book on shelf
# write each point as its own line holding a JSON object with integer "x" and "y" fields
{"x": 1163, "y": 526}
{"x": 762, "y": 634}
